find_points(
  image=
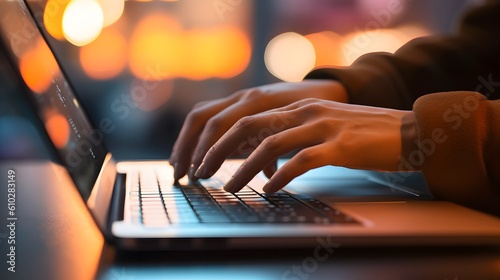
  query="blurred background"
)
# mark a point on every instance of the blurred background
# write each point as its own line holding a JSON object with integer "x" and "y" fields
{"x": 144, "y": 64}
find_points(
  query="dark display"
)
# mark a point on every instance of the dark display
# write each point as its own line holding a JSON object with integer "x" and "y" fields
{"x": 79, "y": 145}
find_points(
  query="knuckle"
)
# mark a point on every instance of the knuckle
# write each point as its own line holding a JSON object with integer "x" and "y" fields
{"x": 325, "y": 125}
{"x": 195, "y": 116}
{"x": 251, "y": 94}
{"x": 214, "y": 124}
{"x": 306, "y": 156}
{"x": 199, "y": 104}
{"x": 307, "y": 101}
{"x": 313, "y": 108}
{"x": 255, "y": 96}
{"x": 245, "y": 122}
{"x": 270, "y": 143}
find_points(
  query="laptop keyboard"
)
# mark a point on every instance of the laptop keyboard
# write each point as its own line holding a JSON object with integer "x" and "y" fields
{"x": 156, "y": 203}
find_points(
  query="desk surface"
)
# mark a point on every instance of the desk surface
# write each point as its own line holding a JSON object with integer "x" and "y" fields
{"x": 56, "y": 238}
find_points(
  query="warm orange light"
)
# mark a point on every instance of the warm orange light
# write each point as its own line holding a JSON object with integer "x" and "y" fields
{"x": 221, "y": 52}
{"x": 58, "y": 129}
{"x": 327, "y": 46}
{"x": 203, "y": 56}
{"x": 105, "y": 57}
{"x": 112, "y": 10}
{"x": 156, "y": 49}
{"x": 161, "y": 49}
{"x": 82, "y": 21}
{"x": 360, "y": 43}
{"x": 52, "y": 17}
{"x": 380, "y": 40}
{"x": 37, "y": 67}
{"x": 233, "y": 51}
{"x": 151, "y": 95}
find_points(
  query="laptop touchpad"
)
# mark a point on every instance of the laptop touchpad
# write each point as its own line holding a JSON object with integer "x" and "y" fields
{"x": 343, "y": 184}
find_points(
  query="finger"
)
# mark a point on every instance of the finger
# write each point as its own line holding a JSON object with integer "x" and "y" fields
{"x": 189, "y": 134}
{"x": 270, "y": 169}
{"x": 195, "y": 121}
{"x": 238, "y": 154}
{"x": 305, "y": 160}
{"x": 244, "y": 137}
{"x": 248, "y": 145}
{"x": 232, "y": 122}
{"x": 223, "y": 121}
{"x": 268, "y": 151}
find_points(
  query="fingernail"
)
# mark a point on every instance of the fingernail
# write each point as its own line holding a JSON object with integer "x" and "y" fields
{"x": 229, "y": 187}
{"x": 191, "y": 171}
{"x": 176, "y": 171}
{"x": 268, "y": 188}
{"x": 200, "y": 171}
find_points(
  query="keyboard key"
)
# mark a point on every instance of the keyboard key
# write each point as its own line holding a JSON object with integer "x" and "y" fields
{"x": 246, "y": 218}
{"x": 158, "y": 202}
{"x": 215, "y": 219}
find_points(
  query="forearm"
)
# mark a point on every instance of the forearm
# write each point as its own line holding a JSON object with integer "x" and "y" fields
{"x": 427, "y": 65}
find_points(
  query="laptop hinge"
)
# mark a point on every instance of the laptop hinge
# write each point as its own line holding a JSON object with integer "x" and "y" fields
{"x": 117, "y": 203}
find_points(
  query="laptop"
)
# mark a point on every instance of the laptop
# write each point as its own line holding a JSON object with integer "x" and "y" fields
{"x": 138, "y": 206}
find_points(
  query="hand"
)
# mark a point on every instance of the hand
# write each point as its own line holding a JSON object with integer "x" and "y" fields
{"x": 326, "y": 132}
{"x": 208, "y": 121}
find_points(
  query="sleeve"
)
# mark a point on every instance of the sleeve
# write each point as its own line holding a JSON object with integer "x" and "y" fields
{"x": 458, "y": 131}
{"x": 458, "y": 148}
{"x": 466, "y": 61}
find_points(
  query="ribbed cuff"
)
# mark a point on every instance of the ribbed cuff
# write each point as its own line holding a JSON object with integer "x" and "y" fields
{"x": 452, "y": 133}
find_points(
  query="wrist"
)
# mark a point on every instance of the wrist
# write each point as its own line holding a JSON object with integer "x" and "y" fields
{"x": 333, "y": 90}
{"x": 409, "y": 143}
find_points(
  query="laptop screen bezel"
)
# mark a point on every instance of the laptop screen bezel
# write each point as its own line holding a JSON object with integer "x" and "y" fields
{"x": 100, "y": 191}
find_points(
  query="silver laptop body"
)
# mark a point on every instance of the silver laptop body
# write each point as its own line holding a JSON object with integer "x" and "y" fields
{"x": 138, "y": 206}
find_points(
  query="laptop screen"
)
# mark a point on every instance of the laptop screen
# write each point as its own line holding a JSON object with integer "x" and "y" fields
{"x": 78, "y": 143}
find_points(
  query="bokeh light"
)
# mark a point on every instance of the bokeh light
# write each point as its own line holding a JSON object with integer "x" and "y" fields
{"x": 156, "y": 48}
{"x": 358, "y": 44}
{"x": 105, "y": 57}
{"x": 221, "y": 52}
{"x": 234, "y": 51}
{"x": 112, "y": 10}
{"x": 412, "y": 31}
{"x": 82, "y": 21}
{"x": 37, "y": 67}
{"x": 327, "y": 46}
{"x": 58, "y": 129}
{"x": 380, "y": 40}
{"x": 160, "y": 48}
{"x": 53, "y": 16}
{"x": 289, "y": 56}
